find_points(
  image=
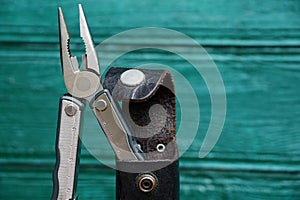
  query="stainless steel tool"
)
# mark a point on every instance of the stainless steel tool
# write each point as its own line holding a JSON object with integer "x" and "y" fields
{"x": 85, "y": 85}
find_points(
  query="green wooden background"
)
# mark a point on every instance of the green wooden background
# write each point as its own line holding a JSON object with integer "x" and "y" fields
{"x": 256, "y": 47}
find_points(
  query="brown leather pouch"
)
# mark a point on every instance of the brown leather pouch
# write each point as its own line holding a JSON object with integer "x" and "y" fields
{"x": 149, "y": 109}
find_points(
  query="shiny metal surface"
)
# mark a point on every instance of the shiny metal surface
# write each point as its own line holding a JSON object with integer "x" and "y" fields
{"x": 67, "y": 149}
{"x": 70, "y": 110}
{"x": 115, "y": 129}
{"x": 146, "y": 182}
{"x": 84, "y": 83}
{"x": 91, "y": 60}
{"x": 160, "y": 148}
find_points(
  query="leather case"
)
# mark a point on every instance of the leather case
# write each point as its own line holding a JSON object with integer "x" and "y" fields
{"x": 150, "y": 111}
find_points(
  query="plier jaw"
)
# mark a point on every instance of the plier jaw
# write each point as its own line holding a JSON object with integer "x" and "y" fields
{"x": 85, "y": 83}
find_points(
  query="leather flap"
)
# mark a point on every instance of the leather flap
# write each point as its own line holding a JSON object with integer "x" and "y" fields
{"x": 153, "y": 80}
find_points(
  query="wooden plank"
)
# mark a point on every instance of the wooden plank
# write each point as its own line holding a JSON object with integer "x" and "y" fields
{"x": 255, "y": 46}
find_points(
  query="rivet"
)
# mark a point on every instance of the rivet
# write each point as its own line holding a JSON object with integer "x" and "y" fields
{"x": 160, "y": 148}
{"x": 138, "y": 146}
{"x": 101, "y": 105}
{"x": 70, "y": 110}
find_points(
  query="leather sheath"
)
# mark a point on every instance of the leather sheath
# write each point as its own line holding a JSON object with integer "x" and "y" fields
{"x": 149, "y": 109}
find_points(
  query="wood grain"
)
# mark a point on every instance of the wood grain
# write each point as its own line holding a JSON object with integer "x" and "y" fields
{"x": 255, "y": 45}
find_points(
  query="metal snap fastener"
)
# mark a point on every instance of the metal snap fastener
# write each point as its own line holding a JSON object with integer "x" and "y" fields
{"x": 132, "y": 77}
{"x": 146, "y": 182}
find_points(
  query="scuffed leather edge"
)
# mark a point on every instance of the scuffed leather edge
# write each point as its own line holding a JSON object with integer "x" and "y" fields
{"x": 153, "y": 80}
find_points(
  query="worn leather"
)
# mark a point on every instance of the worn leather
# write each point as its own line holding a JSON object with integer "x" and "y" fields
{"x": 149, "y": 109}
{"x": 153, "y": 80}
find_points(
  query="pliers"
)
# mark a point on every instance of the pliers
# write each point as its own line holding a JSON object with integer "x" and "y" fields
{"x": 82, "y": 86}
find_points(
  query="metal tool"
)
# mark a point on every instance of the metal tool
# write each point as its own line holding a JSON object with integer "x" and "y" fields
{"x": 82, "y": 86}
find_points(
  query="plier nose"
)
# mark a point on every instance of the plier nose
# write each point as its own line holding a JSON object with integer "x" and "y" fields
{"x": 85, "y": 83}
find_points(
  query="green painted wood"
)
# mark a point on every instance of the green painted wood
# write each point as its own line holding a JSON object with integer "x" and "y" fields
{"x": 255, "y": 45}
